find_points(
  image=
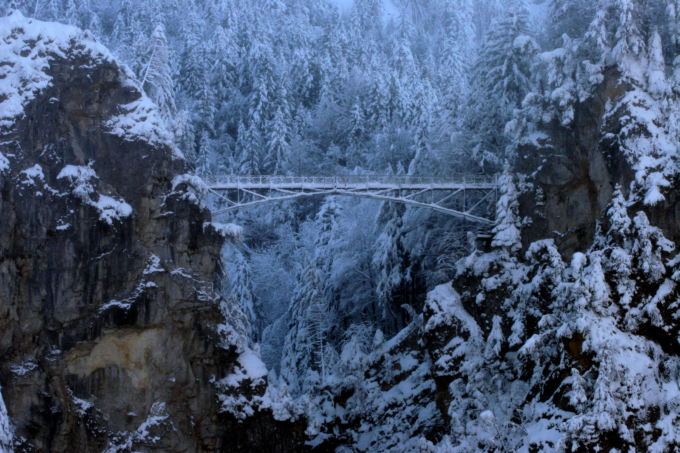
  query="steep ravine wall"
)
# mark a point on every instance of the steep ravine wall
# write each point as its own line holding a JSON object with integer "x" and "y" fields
{"x": 572, "y": 175}
{"x": 573, "y": 170}
{"x": 110, "y": 336}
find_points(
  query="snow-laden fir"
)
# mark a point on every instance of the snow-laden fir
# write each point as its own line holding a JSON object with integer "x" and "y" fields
{"x": 5, "y": 429}
{"x": 515, "y": 348}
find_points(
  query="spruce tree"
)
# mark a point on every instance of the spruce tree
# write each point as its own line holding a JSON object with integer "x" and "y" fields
{"x": 262, "y": 99}
{"x": 389, "y": 258}
{"x": 250, "y": 150}
{"x": 206, "y": 105}
{"x": 456, "y": 54}
{"x": 327, "y": 220}
{"x": 122, "y": 36}
{"x": 277, "y": 142}
{"x": 242, "y": 294}
{"x": 502, "y": 78}
{"x": 224, "y": 69}
{"x": 357, "y": 124}
{"x": 300, "y": 347}
{"x": 506, "y": 232}
{"x": 157, "y": 78}
{"x": 52, "y": 11}
{"x": 192, "y": 71}
{"x": 71, "y": 13}
{"x": 203, "y": 164}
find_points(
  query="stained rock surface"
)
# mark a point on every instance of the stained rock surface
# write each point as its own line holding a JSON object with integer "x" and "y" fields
{"x": 111, "y": 333}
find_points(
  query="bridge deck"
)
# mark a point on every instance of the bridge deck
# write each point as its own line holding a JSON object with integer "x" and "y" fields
{"x": 228, "y": 182}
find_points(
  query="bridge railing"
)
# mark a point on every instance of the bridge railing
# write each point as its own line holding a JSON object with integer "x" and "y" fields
{"x": 348, "y": 180}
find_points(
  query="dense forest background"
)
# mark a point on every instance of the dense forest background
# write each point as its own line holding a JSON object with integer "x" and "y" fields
{"x": 312, "y": 87}
{"x": 316, "y": 88}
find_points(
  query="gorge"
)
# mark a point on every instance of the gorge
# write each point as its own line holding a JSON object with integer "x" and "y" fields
{"x": 133, "y": 320}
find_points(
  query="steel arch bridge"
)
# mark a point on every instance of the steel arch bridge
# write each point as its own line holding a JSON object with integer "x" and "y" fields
{"x": 472, "y": 198}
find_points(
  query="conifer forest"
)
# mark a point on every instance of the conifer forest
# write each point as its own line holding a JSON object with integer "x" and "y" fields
{"x": 509, "y": 283}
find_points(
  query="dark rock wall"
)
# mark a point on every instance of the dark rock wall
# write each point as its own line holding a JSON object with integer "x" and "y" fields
{"x": 573, "y": 173}
{"x": 107, "y": 325}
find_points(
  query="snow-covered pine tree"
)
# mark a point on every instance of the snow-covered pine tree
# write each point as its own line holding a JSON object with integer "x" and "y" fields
{"x": 278, "y": 133}
{"x": 206, "y": 105}
{"x": 570, "y": 17}
{"x": 242, "y": 294}
{"x": 140, "y": 50}
{"x": 157, "y": 78}
{"x": 502, "y": 78}
{"x": 185, "y": 135}
{"x": 86, "y": 18}
{"x": 6, "y": 434}
{"x": 657, "y": 83}
{"x": 249, "y": 149}
{"x": 262, "y": 99}
{"x": 326, "y": 221}
{"x": 224, "y": 69}
{"x": 359, "y": 340}
{"x": 319, "y": 322}
{"x": 71, "y": 15}
{"x": 630, "y": 44}
{"x": 299, "y": 354}
{"x": 121, "y": 38}
{"x": 506, "y": 232}
{"x": 456, "y": 53}
{"x": 402, "y": 57}
{"x": 151, "y": 14}
{"x": 367, "y": 16}
{"x": 203, "y": 164}
{"x": 379, "y": 110}
{"x": 577, "y": 395}
{"x": 191, "y": 74}
{"x": 648, "y": 248}
{"x": 618, "y": 219}
{"x": 389, "y": 260}
{"x": 495, "y": 340}
{"x": 357, "y": 124}
{"x": 51, "y": 11}
{"x": 94, "y": 23}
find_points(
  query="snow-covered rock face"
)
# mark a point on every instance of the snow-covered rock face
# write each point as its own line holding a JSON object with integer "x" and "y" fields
{"x": 112, "y": 332}
{"x": 618, "y": 130}
{"x": 30, "y": 46}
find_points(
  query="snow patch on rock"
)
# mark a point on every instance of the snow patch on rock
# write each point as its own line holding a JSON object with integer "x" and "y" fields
{"x": 80, "y": 178}
{"x": 4, "y": 164}
{"x": 33, "y": 173}
{"x": 227, "y": 231}
{"x": 81, "y": 405}
{"x": 141, "y": 120}
{"x": 146, "y": 434}
{"x": 153, "y": 266}
{"x": 197, "y": 188}
{"x": 445, "y": 304}
{"x": 23, "y": 368}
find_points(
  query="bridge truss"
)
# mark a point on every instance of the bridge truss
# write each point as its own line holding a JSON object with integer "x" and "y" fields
{"x": 472, "y": 198}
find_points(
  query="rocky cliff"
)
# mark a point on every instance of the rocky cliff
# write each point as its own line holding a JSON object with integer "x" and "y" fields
{"x": 572, "y": 168}
{"x": 112, "y": 331}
